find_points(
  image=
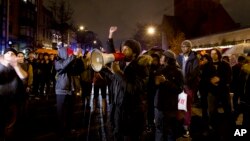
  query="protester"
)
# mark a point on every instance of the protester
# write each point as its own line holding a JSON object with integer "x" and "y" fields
{"x": 169, "y": 81}
{"x": 100, "y": 84}
{"x": 46, "y": 66}
{"x": 128, "y": 88}
{"x": 218, "y": 91}
{"x": 151, "y": 90}
{"x": 244, "y": 91}
{"x": 32, "y": 61}
{"x": 86, "y": 80}
{"x": 24, "y": 99}
{"x": 189, "y": 64}
{"x": 65, "y": 97}
{"x": 204, "y": 83}
{"x": 236, "y": 84}
{"x": 11, "y": 85}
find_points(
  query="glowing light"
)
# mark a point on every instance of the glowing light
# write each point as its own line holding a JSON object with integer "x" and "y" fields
{"x": 81, "y": 27}
{"x": 151, "y": 30}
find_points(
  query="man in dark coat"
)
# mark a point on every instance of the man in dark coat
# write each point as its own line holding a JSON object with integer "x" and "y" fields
{"x": 169, "y": 83}
{"x": 11, "y": 87}
{"x": 244, "y": 91}
{"x": 235, "y": 84}
{"x": 218, "y": 92}
{"x": 189, "y": 64}
{"x": 128, "y": 89}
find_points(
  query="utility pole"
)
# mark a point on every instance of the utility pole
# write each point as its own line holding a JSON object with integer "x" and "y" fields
{"x": 7, "y": 23}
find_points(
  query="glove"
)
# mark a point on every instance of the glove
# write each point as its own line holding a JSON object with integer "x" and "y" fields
{"x": 70, "y": 51}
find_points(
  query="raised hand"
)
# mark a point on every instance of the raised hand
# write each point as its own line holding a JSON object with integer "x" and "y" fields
{"x": 112, "y": 29}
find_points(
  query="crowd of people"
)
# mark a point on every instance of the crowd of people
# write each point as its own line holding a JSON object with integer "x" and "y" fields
{"x": 143, "y": 88}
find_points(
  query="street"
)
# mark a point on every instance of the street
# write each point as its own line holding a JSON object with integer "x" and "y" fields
{"x": 40, "y": 124}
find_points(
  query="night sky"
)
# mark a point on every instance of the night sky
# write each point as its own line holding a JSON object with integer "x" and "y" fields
{"x": 99, "y": 15}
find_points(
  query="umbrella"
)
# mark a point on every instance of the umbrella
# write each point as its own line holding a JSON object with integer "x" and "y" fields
{"x": 49, "y": 51}
{"x": 157, "y": 50}
{"x": 237, "y": 50}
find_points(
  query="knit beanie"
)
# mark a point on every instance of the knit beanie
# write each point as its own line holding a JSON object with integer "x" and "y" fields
{"x": 10, "y": 49}
{"x": 187, "y": 43}
{"x": 134, "y": 45}
{"x": 169, "y": 54}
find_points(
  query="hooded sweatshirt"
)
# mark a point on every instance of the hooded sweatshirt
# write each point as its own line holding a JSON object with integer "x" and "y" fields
{"x": 63, "y": 67}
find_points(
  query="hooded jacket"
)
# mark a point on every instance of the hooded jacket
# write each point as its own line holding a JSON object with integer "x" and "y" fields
{"x": 64, "y": 67}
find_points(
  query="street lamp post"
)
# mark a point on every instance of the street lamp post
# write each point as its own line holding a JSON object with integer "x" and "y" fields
{"x": 81, "y": 29}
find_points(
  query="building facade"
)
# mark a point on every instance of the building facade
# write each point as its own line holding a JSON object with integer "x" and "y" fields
{"x": 225, "y": 39}
{"x": 196, "y": 18}
{"x": 28, "y": 23}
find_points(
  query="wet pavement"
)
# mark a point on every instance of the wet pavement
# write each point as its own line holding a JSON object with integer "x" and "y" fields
{"x": 40, "y": 124}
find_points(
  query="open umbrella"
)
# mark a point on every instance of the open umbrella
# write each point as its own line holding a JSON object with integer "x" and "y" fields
{"x": 237, "y": 50}
{"x": 157, "y": 50}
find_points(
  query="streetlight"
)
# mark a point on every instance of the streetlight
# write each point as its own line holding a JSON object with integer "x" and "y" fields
{"x": 151, "y": 30}
{"x": 81, "y": 35}
{"x": 81, "y": 28}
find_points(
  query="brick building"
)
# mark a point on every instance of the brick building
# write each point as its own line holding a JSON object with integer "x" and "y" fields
{"x": 197, "y": 18}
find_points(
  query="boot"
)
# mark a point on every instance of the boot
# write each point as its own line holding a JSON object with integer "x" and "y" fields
{"x": 104, "y": 107}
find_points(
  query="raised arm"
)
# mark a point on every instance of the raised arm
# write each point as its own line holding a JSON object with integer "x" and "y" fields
{"x": 111, "y": 31}
{"x": 22, "y": 74}
{"x": 110, "y": 42}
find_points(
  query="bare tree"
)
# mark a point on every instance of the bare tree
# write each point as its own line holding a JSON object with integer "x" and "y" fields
{"x": 62, "y": 12}
{"x": 175, "y": 42}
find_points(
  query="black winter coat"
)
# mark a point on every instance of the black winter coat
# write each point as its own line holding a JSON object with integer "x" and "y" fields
{"x": 127, "y": 114}
{"x": 192, "y": 70}
{"x": 166, "y": 98}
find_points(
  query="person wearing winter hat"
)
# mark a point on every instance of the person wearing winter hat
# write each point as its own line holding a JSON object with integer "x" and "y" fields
{"x": 189, "y": 64}
{"x": 169, "y": 83}
{"x": 127, "y": 87}
{"x": 10, "y": 49}
{"x": 131, "y": 49}
{"x": 169, "y": 54}
{"x": 11, "y": 75}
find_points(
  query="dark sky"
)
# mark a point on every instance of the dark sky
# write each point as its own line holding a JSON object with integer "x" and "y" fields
{"x": 99, "y": 15}
{"x": 239, "y": 10}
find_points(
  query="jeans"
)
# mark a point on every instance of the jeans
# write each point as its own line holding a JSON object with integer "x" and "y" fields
{"x": 166, "y": 126}
{"x": 65, "y": 109}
